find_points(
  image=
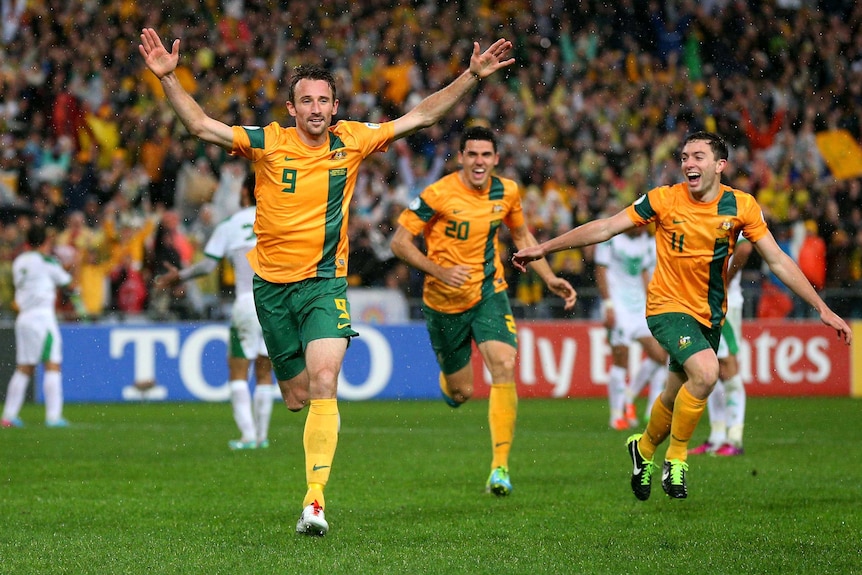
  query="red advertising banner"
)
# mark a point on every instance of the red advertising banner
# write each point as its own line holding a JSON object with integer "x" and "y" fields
{"x": 777, "y": 358}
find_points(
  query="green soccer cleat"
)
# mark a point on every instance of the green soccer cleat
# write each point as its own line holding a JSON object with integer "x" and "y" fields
{"x": 673, "y": 478}
{"x": 642, "y": 469}
{"x": 498, "y": 482}
{"x": 239, "y": 444}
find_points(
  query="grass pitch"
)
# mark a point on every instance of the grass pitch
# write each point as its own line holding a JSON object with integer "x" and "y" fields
{"x": 152, "y": 488}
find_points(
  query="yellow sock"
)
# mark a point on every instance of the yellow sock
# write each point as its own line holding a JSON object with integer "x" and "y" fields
{"x": 657, "y": 429}
{"x": 502, "y": 412}
{"x": 686, "y": 414}
{"x": 319, "y": 439}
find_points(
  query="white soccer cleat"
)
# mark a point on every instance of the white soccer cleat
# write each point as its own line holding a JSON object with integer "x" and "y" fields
{"x": 312, "y": 521}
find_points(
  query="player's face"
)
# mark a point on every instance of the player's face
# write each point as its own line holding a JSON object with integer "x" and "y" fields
{"x": 700, "y": 168}
{"x": 477, "y": 162}
{"x": 313, "y": 108}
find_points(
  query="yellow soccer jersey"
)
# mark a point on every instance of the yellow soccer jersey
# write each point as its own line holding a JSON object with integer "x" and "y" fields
{"x": 693, "y": 244}
{"x": 303, "y": 196}
{"x": 460, "y": 227}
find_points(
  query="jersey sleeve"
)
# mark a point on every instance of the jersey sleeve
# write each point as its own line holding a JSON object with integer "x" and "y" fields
{"x": 418, "y": 213}
{"x": 645, "y": 209}
{"x": 368, "y": 137}
{"x": 602, "y": 255}
{"x": 216, "y": 246}
{"x": 754, "y": 225}
{"x": 60, "y": 276}
{"x": 250, "y": 141}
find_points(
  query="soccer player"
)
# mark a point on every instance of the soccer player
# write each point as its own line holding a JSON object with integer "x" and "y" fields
{"x": 464, "y": 295}
{"x": 305, "y": 180}
{"x": 726, "y": 403}
{"x": 36, "y": 275}
{"x": 697, "y": 224}
{"x": 232, "y": 239}
{"x": 624, "y": 265}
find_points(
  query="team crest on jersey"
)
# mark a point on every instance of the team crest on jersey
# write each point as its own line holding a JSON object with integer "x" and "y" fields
{"x": 684, "y": 341}
{"x": 726, "y": 226}
{"x": 496, "y": 209}
{"x": 339, "y": 155}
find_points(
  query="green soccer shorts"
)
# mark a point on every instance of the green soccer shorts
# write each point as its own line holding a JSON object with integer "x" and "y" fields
{"x": 682, "y": 336}
{"x": 452, "y": 334}
{"x": 291, "y": 315}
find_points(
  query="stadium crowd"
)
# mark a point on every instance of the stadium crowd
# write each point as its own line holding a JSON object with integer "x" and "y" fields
{"x": 592, "y": 114}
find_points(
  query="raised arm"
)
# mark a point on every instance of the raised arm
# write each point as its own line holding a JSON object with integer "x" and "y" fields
{"x": 522, "y": 238}
{"x": 164, "y": 64}
{"x": 783, "y": 266}
{"x": 590, "y": 233}
{"x": 434, "y": 107}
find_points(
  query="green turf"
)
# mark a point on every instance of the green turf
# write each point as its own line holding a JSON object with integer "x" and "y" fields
{"x": 153, "y": 489}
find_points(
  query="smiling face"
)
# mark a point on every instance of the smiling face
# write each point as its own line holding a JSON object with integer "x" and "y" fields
{"x": 313, "y": 107}
{"x": 477, "y": 160}
{"x": 701, "y": 169}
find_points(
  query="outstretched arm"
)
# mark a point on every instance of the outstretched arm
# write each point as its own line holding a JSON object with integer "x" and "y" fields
{"x": 783, "y": 266}
{"x": 522, "y": 238}
{"x": 434, "y": 107}
{"x": 590, "y": 233}
{"x": 163, "y": 64}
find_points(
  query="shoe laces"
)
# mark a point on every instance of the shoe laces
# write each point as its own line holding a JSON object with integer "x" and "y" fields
{"x": 677, "y": 471}
{"x": 648, "y": 468}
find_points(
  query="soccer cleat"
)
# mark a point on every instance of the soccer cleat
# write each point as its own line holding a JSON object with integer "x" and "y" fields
{"x": 263, "y": 444}
{"x": 312, "y": 522}
{"x": 238, "y": 444}
{"x": 620, "y": 424}
{"x": 673, "y": 478}
{"x": 642, "y": 469}
{"x": 728, "y": 450}
{"x": 14, "y": 422}
{"x": 57, "y": 423}
{"x": 705, "y": 447}
{"x": 631, "y": 414}
{"x": 446, "y": 397}
{"x": 498, "y": 482}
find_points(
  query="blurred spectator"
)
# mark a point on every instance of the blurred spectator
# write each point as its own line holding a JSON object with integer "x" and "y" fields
{"x": 594, "y": 111}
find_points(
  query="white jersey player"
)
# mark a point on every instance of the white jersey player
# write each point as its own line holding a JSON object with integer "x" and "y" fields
{"x": 623, "y": 268}
{"x": 726, "y": 403}
{"x": 232, "y": 239}
{"x": 37, "y": 275}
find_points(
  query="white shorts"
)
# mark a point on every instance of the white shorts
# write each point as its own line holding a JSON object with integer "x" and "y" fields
{"x": 37, "y": 338}
{"x": 731, "y": 333}
{"x": 630, "y": 327}
{"x": 246, "y": 336}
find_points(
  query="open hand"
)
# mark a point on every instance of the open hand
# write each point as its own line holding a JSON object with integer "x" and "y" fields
{"x": 158, "y": 59}
{"x": 492, "y": 59}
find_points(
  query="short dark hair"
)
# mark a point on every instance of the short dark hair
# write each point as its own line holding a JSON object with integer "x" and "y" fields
{"x": 36, "y": 236}
{"x": 309, "y": 72}
{"x": 716, "y": 142}
{"x": 478, "y": 133}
